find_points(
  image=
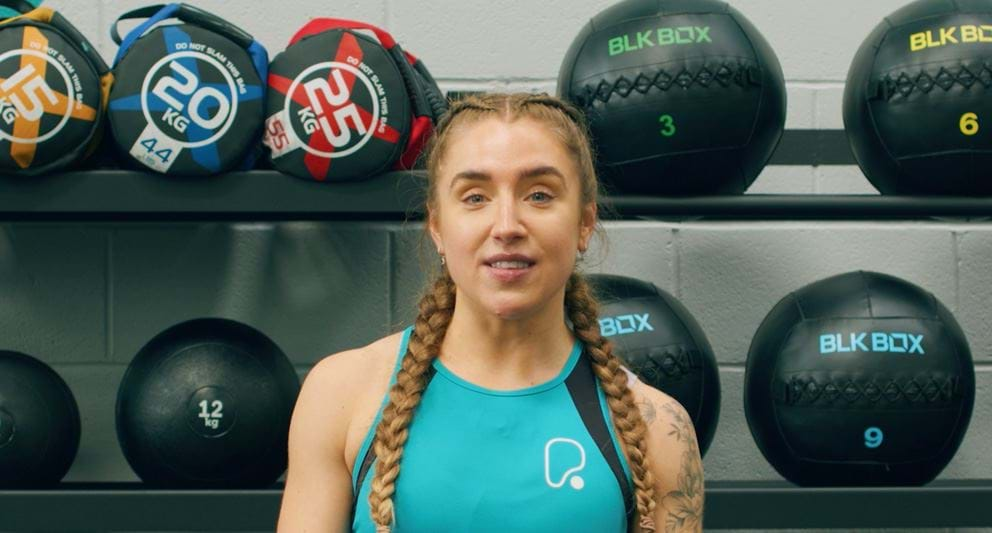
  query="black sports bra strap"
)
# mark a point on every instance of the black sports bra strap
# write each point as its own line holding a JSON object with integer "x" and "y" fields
{"x": 370, "y": 454}
{"x": 581, "y": 385}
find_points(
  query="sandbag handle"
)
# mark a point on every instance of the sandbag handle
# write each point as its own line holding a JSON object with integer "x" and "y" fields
{"x": 184, "y": 12}
{"x": 21, "y": 6}
{"x": 319, "y": 25}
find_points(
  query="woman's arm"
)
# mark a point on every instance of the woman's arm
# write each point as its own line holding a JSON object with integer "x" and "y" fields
{"x": 318, "y": 494}
{"x": 675, "y": 462}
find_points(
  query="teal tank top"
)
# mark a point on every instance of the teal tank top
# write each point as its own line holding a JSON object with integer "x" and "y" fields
{"x": 544, "y": 458}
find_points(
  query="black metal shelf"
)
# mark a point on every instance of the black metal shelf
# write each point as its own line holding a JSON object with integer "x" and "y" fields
{"x": 729, "y": 505}
{"x": 118, "y": 195}
{"x": 803, "y": 207}
{"x": 780, "y": 505}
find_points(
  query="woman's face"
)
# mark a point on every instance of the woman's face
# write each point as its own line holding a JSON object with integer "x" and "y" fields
{"x": 508, "y": 219}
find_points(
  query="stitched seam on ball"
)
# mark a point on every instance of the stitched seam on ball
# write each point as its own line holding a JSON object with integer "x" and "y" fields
{"x": 903, "y": 84}
{"x": 722, "y": 74}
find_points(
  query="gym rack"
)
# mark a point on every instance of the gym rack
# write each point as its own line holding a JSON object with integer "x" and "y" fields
{"x": 729, "y": 505}
{"x": 263, "y": 195}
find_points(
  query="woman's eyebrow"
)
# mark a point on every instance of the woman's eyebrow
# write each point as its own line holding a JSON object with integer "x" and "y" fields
{"x": 542, "y": 170}
{"x": 471, "y": 175}
{"x": 527, "y": 173}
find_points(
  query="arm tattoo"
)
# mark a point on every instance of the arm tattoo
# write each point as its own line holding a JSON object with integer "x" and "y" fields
{"x": 648, "y": 411}
{"x": 685, "y": 504}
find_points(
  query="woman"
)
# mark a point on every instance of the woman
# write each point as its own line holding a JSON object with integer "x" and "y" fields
{"x": 489, "y": 424}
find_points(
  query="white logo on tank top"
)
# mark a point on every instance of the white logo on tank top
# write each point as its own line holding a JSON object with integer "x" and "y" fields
{"x": 576, "y": 481}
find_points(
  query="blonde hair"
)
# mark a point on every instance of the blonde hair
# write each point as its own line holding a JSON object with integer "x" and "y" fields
{"x": 438, "y": 304}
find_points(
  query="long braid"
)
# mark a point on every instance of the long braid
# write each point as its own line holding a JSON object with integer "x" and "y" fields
{"x": 581, "y": 307}
{"x": 435, "y": 311}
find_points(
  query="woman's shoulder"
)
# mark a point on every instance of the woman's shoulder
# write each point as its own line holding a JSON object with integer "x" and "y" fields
{"x": 658, "y": 408}
{"x": 341, "y": 393}
{"x": 357, "y": 368}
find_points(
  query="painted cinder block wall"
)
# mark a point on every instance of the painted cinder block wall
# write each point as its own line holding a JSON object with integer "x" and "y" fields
{"x": 85, "y": 297}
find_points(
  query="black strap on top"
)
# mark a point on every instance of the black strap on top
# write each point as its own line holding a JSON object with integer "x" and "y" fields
{"x": 191, "y": 14}
{"x": 18, "y": 5}
{"x": 581, "y": 385}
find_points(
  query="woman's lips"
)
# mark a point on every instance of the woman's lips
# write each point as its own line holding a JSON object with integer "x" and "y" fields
{"x": 500, "y": 271}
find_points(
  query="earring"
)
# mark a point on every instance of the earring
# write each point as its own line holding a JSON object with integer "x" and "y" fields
{"x": 442, "y": 260}
{"x": 581, "y": 256}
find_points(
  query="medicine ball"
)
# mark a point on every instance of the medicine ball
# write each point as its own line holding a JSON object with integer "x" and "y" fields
{"x": 39, "y": 423}
{"x": 859, "y": 379}
{"x": 657, "y": 339}
{"x": 207, "y": 404}
{"x": 188, "y": 99}
{"x": 918, "y": 97}
{"x": 682, "y": 96}
{"x": 344, "y": 106}
{"x": 53, "y": 92}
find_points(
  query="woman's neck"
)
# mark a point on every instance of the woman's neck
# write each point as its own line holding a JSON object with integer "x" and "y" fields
{"x": 506, "y": 354}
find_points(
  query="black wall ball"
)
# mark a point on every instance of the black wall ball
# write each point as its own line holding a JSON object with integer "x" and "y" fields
{"x": 207, "y": 404}
{"x": 859, "y": 379}
{"x": 660, "y": 341}
{"x": 682, "y": 96}
{"x": 917, "y": 104}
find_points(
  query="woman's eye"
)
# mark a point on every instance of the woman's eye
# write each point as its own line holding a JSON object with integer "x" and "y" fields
{"x": 473, "y": 198}
{"x": 541, "y": 196}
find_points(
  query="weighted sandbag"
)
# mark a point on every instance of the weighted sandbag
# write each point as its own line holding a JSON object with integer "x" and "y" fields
{"x": 188, "y": 98}
{"x": 343, "y": 106}
{"x": 53, "y": 92}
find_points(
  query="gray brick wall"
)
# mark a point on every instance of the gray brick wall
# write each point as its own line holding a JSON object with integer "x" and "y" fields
{"x": 86, "y": 297}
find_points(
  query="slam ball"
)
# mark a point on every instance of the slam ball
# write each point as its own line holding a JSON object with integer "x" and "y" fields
{"x": 682, "y": 96}
{"x": 207, "y": 404}
{"x": 859, "y": 379}
{"x": 917, "y": 100}
{"x": 39, "y": 423}
{"x": 657, "y": 339}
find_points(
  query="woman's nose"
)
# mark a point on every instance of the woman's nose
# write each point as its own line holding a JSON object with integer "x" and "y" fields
{"x": 508, "y": 224}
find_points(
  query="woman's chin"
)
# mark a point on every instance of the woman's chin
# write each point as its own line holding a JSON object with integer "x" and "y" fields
{"x": 516, "y": 308}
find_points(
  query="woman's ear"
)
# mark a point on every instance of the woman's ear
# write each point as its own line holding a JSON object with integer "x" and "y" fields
{"x": 587, "y": 224}
{"x": 432, "y": 227}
